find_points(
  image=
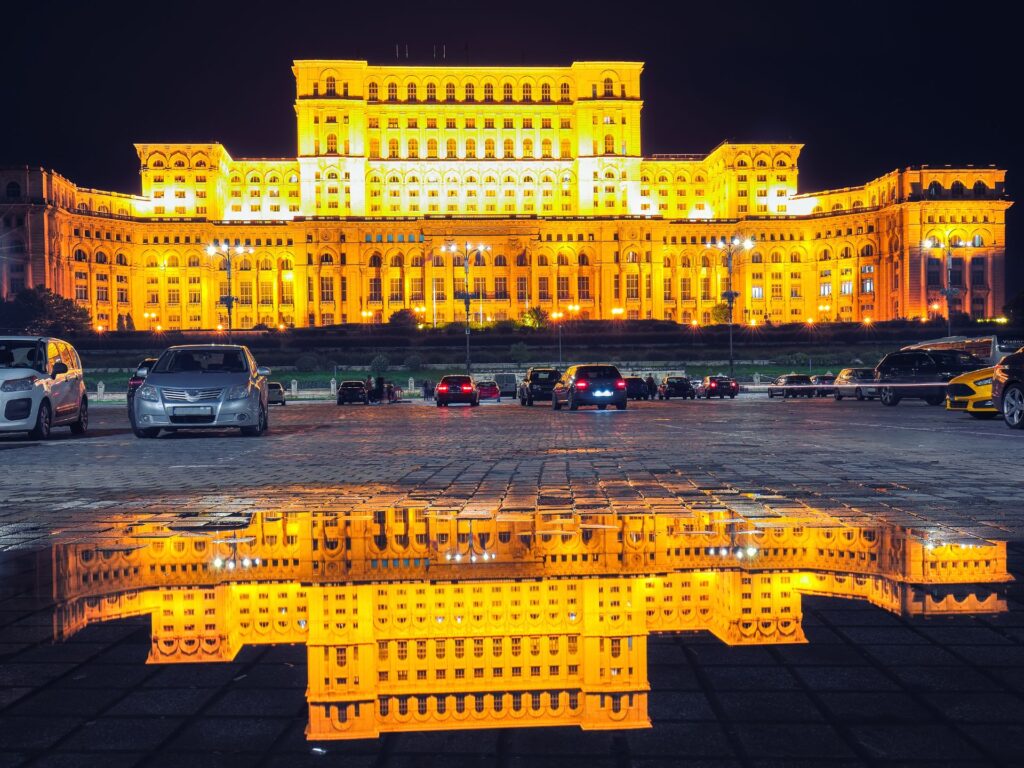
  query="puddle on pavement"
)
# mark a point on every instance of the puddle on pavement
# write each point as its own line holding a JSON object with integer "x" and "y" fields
{"x": 419, "y": 618}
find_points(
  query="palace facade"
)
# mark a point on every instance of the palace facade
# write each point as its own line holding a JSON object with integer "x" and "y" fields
{"x": 424, "y": 618}
{"x": 536, "y": 176}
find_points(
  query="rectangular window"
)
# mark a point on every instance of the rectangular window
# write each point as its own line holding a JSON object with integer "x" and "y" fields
{"x": 375, "y": 289}
{"x": 326, "y": 288}
{"x": 396, "y": 292}
{"x": 825, "y": 289}
{"x": 438, "y": 290}
{"x": 684, "y": 288}
{"x": 846, "y": 288}
{"x": 501, "y": 287}
{"x": 705, "y": 289}
{"x": 867, "y": 285}
{"x": 522, "y": 289}
{"x": 266, "y": 293}
{"x": 632, "y": 287}
{"x": 417, "y": 289}
{"x": 757, "y": 292}
{"x": 543, "y": 289}
{"x": 563, "y": 288}
{"x": 245, "y": 293}
{"x": 583, "y": 287}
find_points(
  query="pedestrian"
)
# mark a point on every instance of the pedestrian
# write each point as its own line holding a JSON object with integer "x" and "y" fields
{"x": 652, "y": 388}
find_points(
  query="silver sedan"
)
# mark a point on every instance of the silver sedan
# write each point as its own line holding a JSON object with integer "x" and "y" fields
{"x": 209, "y": 386}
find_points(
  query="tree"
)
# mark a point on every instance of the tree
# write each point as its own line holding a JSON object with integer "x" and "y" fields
{"x": 120, "y": 322}
{"x": 413, "y": 361}
{"x": 40, "y": 311}
{"x": 720, "y": 313}
{"x": 519, "y": 352}
{"x": 129, "y": 322}
{"x": 534, "y": 317}
{"x": 405, "y": 318}
{"x": 379, "y": 364}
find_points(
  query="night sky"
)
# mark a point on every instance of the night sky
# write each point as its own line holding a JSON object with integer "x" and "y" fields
{"x": 866, "y": 86}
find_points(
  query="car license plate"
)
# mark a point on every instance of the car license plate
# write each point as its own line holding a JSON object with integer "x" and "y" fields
{"x": 194, "y": 410}
{"x": 602, "y": 393}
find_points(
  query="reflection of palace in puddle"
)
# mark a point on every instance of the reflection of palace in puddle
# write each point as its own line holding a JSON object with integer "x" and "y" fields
{"x": 421, "y": 619}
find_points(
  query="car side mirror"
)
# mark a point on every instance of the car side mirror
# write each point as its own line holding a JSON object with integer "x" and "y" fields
{"x": 59, "y": 368}
{"x": 142, "y": 373}
{"x": 262, "y": 371}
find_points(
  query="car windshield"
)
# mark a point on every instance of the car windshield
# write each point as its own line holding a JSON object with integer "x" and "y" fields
{"x": 597, "y": 372}
{"x": 275, "y": 385}
{"x": 676, "y": 380}
{"x": 456, "y": 380}
{"x": 487, "y": 383}
{"x": 22, "y": 353}
{"x": 351, "y": 384}
{"x": 545, "y": 375}
{"x": 798, "y": 379}
{"x": 958, "y": 359}
{"x": 204, "y": 360}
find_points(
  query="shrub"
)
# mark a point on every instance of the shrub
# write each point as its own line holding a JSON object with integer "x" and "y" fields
{"x": 413, "y": 362}
{"x": 307, "y": 362}
{"x": 379, "y": 364}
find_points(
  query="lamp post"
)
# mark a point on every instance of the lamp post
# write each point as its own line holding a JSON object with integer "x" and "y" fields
{"x": 730, "y": 247}
{"x": 557, "y": 316}
{"x": 467, "y": 295}
{"x": 950, "y": 292}
{"x": 229, "y": 300}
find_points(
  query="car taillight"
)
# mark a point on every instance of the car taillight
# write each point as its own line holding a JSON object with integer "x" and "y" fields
{"x": 714, "y": 384}
{"x": 582, "y": 385}
{"x": 442, "y": 387}
{"x": 620, "y": 384}
{"x": 467, "y": 387}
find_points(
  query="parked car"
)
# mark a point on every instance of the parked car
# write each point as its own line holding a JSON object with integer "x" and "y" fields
{"x": 537, "y": 385}
{"x": 488, "y": 390}
{"x": 135, "y": 381}
{"x": 203, "y": 386}
{"x": 792, "y": 385}
{"x": 972, "y": 393}
{"x": 717, "y": 386}
{"x": 921, "y": 374}
{"x": 41, "y": 386}
{"x": 676, "y": 386}
{"x": 594, "y": 384}
{"x": 353, "y": 392}
{"x": 1008, "y": 389}
{"x": 636, "y": 388}
{"x": 456, "y": 389}
{"x": 823, "y": 384}
{"x": 275, "y": 393}
{"x": 507, "y": 383}
{"x": 855, "y": 382}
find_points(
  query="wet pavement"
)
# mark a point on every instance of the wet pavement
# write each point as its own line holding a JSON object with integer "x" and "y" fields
{"x": 878, "y": 626}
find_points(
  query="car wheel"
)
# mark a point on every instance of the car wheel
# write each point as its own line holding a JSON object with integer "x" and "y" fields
{"x": 555, "y": 405}
{"x": 836, "y": 396}
{"x": 732, "y": 397}
{"x": 261, "y": 425}
{"x": 693, "y": 396}
{"x": 858, "y": 394}
{"x": 982, "y": 415}
{"x": 440, "y": 404}
{"x": 573, "y": 405}
{"x": 147, "y": 433}
{"x": 621, "y": 406}
{"x": 44, "y": 422}
{"x": 888, "y": 396}
{"x": 1013, "y": 406}
{"x": 80, "y": 426}
{"x": 475, "y": 403}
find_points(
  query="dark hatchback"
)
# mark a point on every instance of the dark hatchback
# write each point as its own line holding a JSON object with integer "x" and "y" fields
{"x": 597, "y": 385}
{"x": 792, "y": 385}
{"x": 676, "y": 386}
{"x": 1008, "y": 389}
{"x": 353, "y": 392}
{"x": 718, "y": 386}
{"x": 823, "y": 384}
{"x": 636, "y": 388}
{"x": 456, "y": 389}
{"x": 537, "y": 384}
{"x": 921, "y": 374}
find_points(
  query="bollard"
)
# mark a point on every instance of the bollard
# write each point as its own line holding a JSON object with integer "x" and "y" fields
{"x": 295, "y": 388}
{"x": 412, "y": 383}
{"x": 757, "y": 379}
{"x": 334, "y": 387}
{"x": 100, "y": 389}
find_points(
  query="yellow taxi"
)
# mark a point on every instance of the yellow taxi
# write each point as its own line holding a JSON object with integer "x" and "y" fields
{"x": 972, "y": 392}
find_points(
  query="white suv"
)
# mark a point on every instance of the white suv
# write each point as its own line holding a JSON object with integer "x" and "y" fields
{"x": 41, "y": 386}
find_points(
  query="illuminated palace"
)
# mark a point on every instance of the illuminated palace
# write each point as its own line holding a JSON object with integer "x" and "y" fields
{"x": 536, "y": 175}
{"x": 420, "y": 619}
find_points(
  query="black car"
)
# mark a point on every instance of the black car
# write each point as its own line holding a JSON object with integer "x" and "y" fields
{"x": 921, "y": 374}
{"x": 456, "y": 389}
{"x": 676, "y": 386}
{"x": 823, "y": 384}
{"x": 792, "y": 385}
{"x": 598, "y": 385}
{"x": 138, "y": 378}
{"x": 636, "y": 388}
{"x": 537, "y": 385}
{"x": 353, "y": 392}
{"x": 1008, "y": 389}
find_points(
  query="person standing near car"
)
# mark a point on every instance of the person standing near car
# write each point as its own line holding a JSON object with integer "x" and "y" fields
{"x": 652, "y": 388}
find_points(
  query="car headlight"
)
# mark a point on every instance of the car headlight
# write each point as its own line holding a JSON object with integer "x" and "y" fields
{"x": 148, "y": 392}
{"x": 983, "y": 382}
{"x": 19, "y": 385}
{"x": 238, "y": 393}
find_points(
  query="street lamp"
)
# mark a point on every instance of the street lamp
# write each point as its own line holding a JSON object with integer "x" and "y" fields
{"x": 229, "y": 300}
{"x": 556, "y": 316}
{"x": 730, "y": 247}
{"x": 950, "y": 292}
{"x": 467, "y": 295}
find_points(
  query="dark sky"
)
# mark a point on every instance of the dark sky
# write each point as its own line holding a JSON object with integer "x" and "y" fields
{"x": 866, "y": 86}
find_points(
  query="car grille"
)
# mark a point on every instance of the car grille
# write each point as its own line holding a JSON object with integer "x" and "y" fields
{"x": 207, "y": 419}
{"x": 959, "y": 390}
{"x": 191, "y": 395}
{"x": 956, "y": 403}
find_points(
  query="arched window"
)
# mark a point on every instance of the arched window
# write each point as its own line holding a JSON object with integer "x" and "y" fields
{"x": 522, "y": 260}
{"x": 762, "y": 163}
{"x": 375, "y": 261}
{"x": 371, "y": 92}
{"x": 438, "y": 260}
{"x": 527, "y": 147}
{"x": 432, "y": 148}
{"x": 331, "y": 85}
{"x": 471, "y": 148}
{"x": 609, "y": 144}
{"x": 488, "y": 92}
{"x": 416, "y": 261}
{"x": 431, "y": 92}
{"x": 977, "y": 241}
{"x": 479, "y": 260}
{"x": 565, "y": 149}
{"x": 563, "y": 260}
{"x": 507, "y": 148}
{"x": 957, "y": 189}
{"x": 410, "y": 92}
{"x": 266, "y": 265}
{"x": 542, "y": 260}
{"x": 545, "y": 148}
{"x": 934, "y": 189}
{"x": 13, "y": 189}
{"x": 392, "y": 91}
{"x": 450, "y": 150}
{"x": 506, "y": 92}
{"x": 414, "y": 148}
{"x": 824, "y": 255}
{"x": 193, "y": 260}
{"x": 684, "y": 261}
{"x": 393, "y": 148}
{"x": 80, "y": 255}
{"x": 867, "y": 250}
{"x": 396, "y": 260}
{"x": 705, "y": 261}
{"x": 565, "y": 92}
{"x": 101, "y": 257}
{"x": 243, "y": 266}
{"x": 794, "y": 258}
{"x": 545, "y": 92}
{"x": 286, "y": 265}
{"x": 449, "y": 91}
{"x": 121, "y": 260}
{"x": 470, "y": 92}
{"x": 500, "y": 261}
{"x": 332, "y": 144}
{"x": 326, "y": 258}
{"x": 756, "y": 258}
{"x": 584, "y": 260}
{"x": 527, "y": 92}
{"x": 609, "y": 87}
{"x": 980, "y": 189}
{"x": 631, "y": 257}
{"x": 489, "y": 148}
